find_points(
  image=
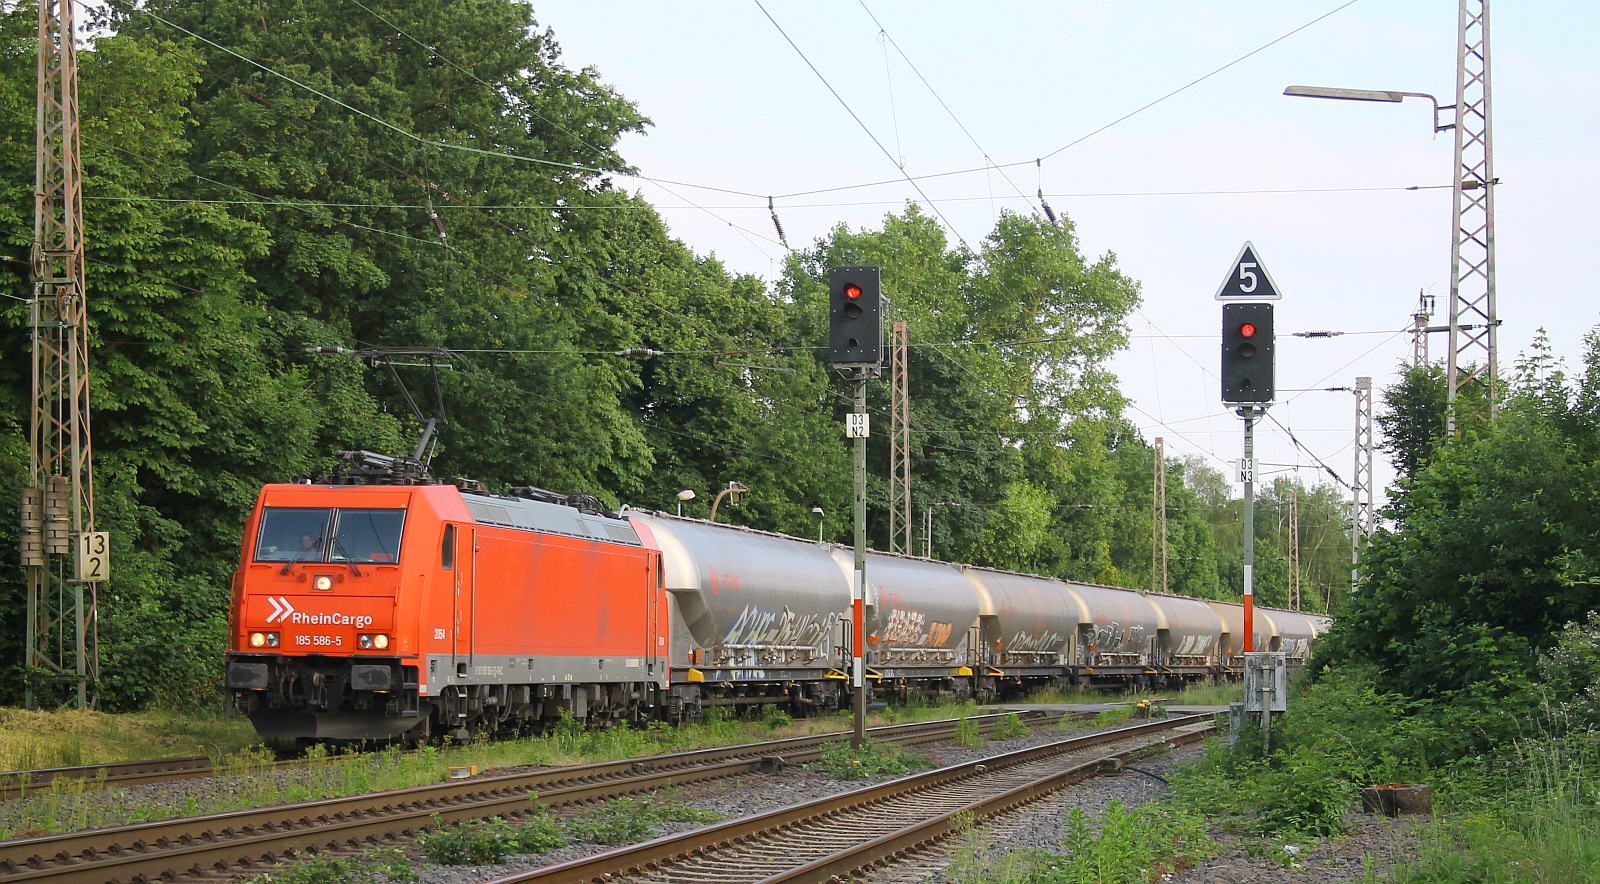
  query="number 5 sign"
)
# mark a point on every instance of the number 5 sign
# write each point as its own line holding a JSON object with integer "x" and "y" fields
{"x": 94, "y": 556}
{"x": 1248, "y": 280}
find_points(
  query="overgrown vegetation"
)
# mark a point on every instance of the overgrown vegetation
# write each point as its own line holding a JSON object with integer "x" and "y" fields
{"x": 1010, "y": 727}
{"x": 1469, "y": 661}
{"x": 66, "y": 805}
{"x": 386, "y": 864}
{"x": 873, "y": 759}
{"x": 967, "y": 734}
{"x": 485, "y": 842}
{"x": 1125, "y": 846}
{"x": 618, "y": 821}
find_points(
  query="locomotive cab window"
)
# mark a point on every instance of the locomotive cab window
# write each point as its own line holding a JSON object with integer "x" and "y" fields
{"x": 367, "y": 536}
{"x": 293, "y": 534}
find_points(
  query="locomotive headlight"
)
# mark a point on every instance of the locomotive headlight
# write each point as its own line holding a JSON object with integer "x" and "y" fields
{"x": 272, "y": 639}
{"x": 258, "y": 639}
{"x": 364, "y": 641}
{"x": 368, "y": 641}
{"x": 380, "y": 641}
{"x": 323, "y": 583}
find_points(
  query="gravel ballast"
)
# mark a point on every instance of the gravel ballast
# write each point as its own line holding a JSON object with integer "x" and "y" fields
{"x": 1376, "y": 841}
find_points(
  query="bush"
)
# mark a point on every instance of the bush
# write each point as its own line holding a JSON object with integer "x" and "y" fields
{"x": 485, "y": 842}
{"x": 389, "y": 863}
{"x": 1301, "y": 793}
{"x": 872, "y": 759}
{"x": 775, "y": 718}
{"x": 967, "y": 734}
{"x": 1011, "y": 727}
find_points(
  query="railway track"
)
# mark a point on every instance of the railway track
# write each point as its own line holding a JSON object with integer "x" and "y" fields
{"x": 16, "y": 784}
{"x": 255, "y": 839}
{"x": 842, "y": 837}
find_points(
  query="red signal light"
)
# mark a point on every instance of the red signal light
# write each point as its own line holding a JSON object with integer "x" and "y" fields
{"x": 1248, "y": 330}
{"x": 852, "y": 291}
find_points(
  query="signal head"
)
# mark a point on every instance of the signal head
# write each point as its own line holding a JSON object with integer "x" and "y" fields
{"x": 1247, "y": 353}
{"x": 855, "y": 323}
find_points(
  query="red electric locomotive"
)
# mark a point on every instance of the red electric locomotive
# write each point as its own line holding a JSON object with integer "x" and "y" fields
{"x": 394, "y": 611}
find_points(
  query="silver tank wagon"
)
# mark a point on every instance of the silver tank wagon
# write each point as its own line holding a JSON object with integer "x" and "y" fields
{"x": 1120, "y": 633}
{"x": 1188, "y": 632}
{"x": 749, "y": 600}
{"x": 919, "y": 612}
{"x": 1027, "y": 621}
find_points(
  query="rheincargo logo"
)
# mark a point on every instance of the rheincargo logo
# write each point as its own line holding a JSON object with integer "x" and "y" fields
{"x": 359, "y": 621}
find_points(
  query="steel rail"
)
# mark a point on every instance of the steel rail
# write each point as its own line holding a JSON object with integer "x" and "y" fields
{"x": 19, "y": 783}
{"x": 928, "y": 834}
{"x": 655, "y": 857}
{"x": 251, "y": 838}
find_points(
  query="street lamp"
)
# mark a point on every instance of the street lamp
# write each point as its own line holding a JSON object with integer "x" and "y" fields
{"x": 1383, "y": 95}
{"x": 734, "y": 490}
{"x": 817, "y": 511}
{"x": 685, "y": 494}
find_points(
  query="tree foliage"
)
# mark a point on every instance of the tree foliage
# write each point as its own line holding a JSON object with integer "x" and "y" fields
{"x": 267, "y": 177}
{"x": 1495, "y": 548}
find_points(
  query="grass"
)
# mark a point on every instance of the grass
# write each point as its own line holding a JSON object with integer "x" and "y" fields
{"x": 872, "y": 759}
{"x": 1549, "y": 832}
{"x": 1145, "y": 843}
{"x": 30, "y": 740}
{"x": 83, "y": 737}
{"x": 1189, "y": 695}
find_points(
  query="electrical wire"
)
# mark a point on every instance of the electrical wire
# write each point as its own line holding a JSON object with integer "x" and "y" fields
{"x": 942, "y": 219}
{"x": 937, "y": 97}
{"x": 1084, "y": 138}
{"x": 637, "y": 207}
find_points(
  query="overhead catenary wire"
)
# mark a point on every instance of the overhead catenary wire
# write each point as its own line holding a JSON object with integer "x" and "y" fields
{"x": 942, "y": 103}
{"x": 413, "y": 239}
{"x": 666, "y": 182}
{"x": 846, "y": 105}
{"x": 1083, "y": 138}
{"x": 641, "y": 207}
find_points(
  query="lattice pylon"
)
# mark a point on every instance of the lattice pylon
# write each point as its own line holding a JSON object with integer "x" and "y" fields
{"x": 899, "y": 445}
{"x": 1361, "y": 510}
{"x": 58, "y": 503}
{"x": 1419, "y": 330}
{"x": 1294, "y": 550}
{"x": 1158, "y": 517}
{"x": 1473, "y": 321}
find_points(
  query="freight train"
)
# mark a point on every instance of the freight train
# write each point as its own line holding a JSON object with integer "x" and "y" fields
{"x": 413, "y": 609}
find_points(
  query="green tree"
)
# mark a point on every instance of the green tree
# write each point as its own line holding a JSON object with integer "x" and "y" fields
{"x": 431, "y": 175}
{"x": 1494, "y": 550}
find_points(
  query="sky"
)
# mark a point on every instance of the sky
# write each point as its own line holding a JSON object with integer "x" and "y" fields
{"x": 787, "y": 98}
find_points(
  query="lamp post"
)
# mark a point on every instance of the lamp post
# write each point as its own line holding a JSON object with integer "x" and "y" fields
{"x": 1384, "y": 96}
{"x": 685, "y": 494}
{"x": 1472, "y": 277}
{"x": 734, "y": 490}
{"x": 927, "y": 526}
{"x": 817, "y": 511}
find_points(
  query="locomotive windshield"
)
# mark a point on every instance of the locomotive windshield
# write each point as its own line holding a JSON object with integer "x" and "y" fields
{"x": 367, "y": 536}
{"x": 324, "y": 534}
